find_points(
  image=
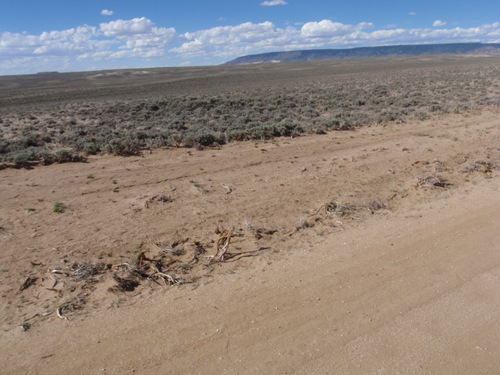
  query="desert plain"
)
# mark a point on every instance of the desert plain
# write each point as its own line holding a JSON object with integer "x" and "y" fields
{"x": 352, "y": 239}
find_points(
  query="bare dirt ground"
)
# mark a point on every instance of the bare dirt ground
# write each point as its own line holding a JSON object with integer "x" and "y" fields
{"x": 367, "y": 251}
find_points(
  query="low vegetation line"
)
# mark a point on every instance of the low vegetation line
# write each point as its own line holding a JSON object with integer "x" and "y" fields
{"x": 69, "y": 131}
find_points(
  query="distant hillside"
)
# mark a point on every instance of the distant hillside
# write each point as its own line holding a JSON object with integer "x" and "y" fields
{"x": 365, "y": 52}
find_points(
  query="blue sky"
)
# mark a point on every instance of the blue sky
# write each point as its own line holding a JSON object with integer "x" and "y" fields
{"x": 67, "y": 35}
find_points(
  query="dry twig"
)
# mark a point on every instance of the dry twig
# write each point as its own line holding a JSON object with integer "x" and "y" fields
{"x": 28, "y": 282}
{"x": 432, "y": 181}
{"x": 222, "y": 244}
{"x": 59, "y": 312}
{"x": 228, "y": 188}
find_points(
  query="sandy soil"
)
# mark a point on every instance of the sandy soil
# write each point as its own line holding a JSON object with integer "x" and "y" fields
{"x": 373, "y": 251}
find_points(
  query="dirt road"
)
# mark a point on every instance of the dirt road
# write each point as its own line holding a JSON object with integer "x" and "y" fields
{"x": 407, "y": 286}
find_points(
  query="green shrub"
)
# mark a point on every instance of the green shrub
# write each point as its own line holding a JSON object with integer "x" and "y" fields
{"x": 237, "y": 135}
{"x": 288, "y": 129}
{"x": 91, "y": 148}
{"x": 26, "y": 158}
{"x": 202, "y": 138}
{"x": 123, "y": 147}
{"x": 58, "y": 207}
{"x": 67, "y": 156}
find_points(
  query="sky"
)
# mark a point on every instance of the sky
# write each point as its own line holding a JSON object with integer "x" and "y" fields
{"x": 68, "y": 35}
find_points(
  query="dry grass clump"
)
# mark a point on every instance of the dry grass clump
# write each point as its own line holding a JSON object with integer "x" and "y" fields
{"x": 376, "y": 205}
{"x": 86, "y": 270}
{"x": 150, "y": 199}
{"x": 480, "y": 165}
{"x": 347, "y": 210}
{"x": 336, "y": 208}
{"x": 303, "y": 223}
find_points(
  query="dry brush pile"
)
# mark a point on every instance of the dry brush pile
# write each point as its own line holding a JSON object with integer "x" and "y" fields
{"x": 69, "y": 287}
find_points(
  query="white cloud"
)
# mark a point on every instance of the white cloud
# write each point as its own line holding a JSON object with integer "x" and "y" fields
{"x": 272, "y": 3}
{"x": 129, "y": 27}
{"x": 412, "y": 13}
{"x": 115, "y": 43}
{"x": 53, "y": 42}
{"x": 249, "y": 38}
{"x": 106, "y": 12}
{"x": 438, "y": 23}
{"x": 220, "y": 41}
{"x": 136, "y": 38}
{"x": 329, "y": 29}
{"x": 141, "y": 45}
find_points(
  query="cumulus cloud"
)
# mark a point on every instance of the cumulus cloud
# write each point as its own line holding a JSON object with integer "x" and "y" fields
{"x": 129, "y": 27}
{"x": 106, "y": 12}
{"x": 272, "y": 3}
{"x": 438, "y": 23}
{"x": 250, "y": 38}
{"x": 136, "y": 38}
{"x": 54, "y": 42}
{"x": 329, "y": 29}
{"x": 141, "y": 39}
{"x": 225, "y": 40}
{"x": 121, "y": 39}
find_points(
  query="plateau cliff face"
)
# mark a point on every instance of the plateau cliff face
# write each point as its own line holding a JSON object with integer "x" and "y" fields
{"x": 367, "y": 52}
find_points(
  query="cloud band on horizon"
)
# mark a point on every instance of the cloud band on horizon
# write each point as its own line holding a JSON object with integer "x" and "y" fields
{"x": 140, "y": 38}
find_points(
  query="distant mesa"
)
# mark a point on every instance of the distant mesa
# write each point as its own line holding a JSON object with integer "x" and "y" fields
{"x": 367, "y": 52}
{"x": 47, "y": 73}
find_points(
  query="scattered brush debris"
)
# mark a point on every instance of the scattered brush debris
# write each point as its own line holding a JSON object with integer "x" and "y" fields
{"x": 336, "y": 208}
{"x": 424, "y": 162}
{"x": 129, "y": 276}
{"x": 84, "y": 271}
{"x": 432, "y": 181}
{"x": 203, "y": 189}
{"x": 172, "y": 249}
{"x": 258, "y": 233}
{"x": 480, "y": 165}
{"x": 174, "y": 252}
{"x": 156, "y": 198}
{"x": 303, "y": 223}
{"x": 163, "y": 263}
{"x": 248, "y": 226}
{"x": 124, "y": 284}
{"x": 347, "y": 210}
{"x": 438, "y": 166}
{"x": 77, "y": 280}
{"x": 376, "y": 205}
{"x": 198, "y": 248}
{"x": 30, "y": 280}
{"x": 76, "y": 303}
{"x": 261, "y": 232}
